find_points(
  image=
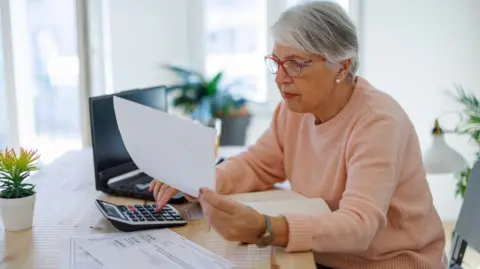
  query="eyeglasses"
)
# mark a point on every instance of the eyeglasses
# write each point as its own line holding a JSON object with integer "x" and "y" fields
{"x": 293, "y": 68}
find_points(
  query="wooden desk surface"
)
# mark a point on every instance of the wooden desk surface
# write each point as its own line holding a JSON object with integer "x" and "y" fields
{"x": 65, "y": 207}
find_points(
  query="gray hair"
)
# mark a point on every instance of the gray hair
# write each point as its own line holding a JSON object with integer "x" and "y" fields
{"x": 322, "y": 28}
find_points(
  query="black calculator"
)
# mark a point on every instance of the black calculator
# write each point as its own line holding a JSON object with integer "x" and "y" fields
{"x": 129, "y": 218}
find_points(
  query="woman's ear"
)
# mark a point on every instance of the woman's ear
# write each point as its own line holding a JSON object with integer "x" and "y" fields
{"x": 344, "y": 69}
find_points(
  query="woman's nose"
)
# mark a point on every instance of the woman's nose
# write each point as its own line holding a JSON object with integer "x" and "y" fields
{"x": 282, "y": 77}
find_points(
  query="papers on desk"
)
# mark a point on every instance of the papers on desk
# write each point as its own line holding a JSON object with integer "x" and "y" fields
{"x": 154, "y": 249}
{"x": 177, "y": 151}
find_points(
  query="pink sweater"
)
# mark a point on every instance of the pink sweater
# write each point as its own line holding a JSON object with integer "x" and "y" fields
{"x": 366, "y": 164}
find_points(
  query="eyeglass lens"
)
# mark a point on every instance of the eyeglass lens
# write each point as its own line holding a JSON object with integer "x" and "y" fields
{"x": 291, "y": 67}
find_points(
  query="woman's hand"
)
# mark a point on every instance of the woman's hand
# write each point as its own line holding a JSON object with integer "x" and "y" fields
{"x": 163, "y": 193}
{"x": 232, "y": 220}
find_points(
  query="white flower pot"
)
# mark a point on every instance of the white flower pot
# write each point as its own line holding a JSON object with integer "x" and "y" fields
{"x": 17, "y": 214}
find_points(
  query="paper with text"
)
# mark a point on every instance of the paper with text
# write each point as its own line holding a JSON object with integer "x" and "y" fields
{"x": 154, "y": 249}
{"x": 176, "y": 151}
{"x": 77, "y": 258}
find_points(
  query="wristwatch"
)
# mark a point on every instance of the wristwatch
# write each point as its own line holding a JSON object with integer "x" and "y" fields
{"x": 267, "y": 237}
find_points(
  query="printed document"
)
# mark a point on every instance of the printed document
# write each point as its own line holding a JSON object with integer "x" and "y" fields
{"x": 176, "y": 151}
{"x": 153, "y": 249}
{"x": 78, "y": 258}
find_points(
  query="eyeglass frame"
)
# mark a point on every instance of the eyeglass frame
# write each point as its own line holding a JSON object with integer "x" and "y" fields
{"x": 282, "y": 64}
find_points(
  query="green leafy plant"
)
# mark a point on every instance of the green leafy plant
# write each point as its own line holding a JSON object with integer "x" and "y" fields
{"x": 470, "y": 125}
{"x": 199, "y": 94}
{"x": 14, "y": 169}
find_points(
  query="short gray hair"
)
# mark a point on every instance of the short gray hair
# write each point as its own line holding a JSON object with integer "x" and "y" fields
{"x": 322, "y": 28}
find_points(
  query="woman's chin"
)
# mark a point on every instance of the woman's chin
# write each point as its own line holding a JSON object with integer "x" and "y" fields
{"x": 294, "y": 106}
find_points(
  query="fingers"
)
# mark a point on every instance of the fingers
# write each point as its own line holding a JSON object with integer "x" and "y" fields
{"x": 164, "y": 196}
{"x": 191, "y": 199}
{"x": 152, "y": 185}
{"x": 156, "y": 189}
{"x": 214, "y": 215}
{"x": 218, "y": 201}
{"x": 221, "y": 221}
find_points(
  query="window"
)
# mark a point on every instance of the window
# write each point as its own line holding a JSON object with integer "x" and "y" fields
{"x": 54, "y": 94}
{"x": 235, "y": 43}
{"x": 3, "y": 107}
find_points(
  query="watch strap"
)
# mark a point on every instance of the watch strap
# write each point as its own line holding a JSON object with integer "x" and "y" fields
{"x": 268, "y": 224}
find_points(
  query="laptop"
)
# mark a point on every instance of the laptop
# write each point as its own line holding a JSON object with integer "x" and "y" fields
{"x": 115, "y": 172}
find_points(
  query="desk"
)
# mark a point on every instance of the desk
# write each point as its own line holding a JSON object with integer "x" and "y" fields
{"x": 65, "y": 207}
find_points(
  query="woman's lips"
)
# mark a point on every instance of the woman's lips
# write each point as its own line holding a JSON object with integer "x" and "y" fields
{"x": 287, "y": 95}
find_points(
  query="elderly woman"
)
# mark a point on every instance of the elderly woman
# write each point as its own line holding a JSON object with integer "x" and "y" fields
{"x": 336, "y": 137}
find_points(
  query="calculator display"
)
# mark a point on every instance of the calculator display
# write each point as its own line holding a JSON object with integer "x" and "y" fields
{"x": 112, "y": 211}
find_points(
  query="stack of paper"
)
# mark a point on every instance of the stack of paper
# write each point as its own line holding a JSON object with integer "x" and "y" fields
{"x": 155, "y": 249}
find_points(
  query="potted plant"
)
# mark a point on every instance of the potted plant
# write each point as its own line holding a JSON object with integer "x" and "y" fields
{"x": 469, "y": 125}
{"x": 17, "y": 198}
{"x": 206, "y": 99}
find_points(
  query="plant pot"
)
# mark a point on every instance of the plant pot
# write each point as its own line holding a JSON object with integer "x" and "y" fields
{"x": 17, "y": 213}
{"x": 234, "y": 130}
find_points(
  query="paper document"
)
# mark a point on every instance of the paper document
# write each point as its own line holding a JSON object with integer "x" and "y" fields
{"x": 176, "y": 151}
{"x": 312, "y": 206}
{"x": 78, "y": 258}
{"x": 154, "y": 249}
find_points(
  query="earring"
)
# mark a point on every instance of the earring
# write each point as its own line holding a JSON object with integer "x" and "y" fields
{"x": 337, "y": 80}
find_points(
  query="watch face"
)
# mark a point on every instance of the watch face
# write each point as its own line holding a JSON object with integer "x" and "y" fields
{"x": 265, "y": 241}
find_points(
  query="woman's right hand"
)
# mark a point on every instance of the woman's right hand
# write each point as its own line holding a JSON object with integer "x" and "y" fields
{"x": 163, "y": 193}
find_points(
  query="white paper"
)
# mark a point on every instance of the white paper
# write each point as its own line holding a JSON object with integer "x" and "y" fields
{"x": 154, "y": 249}
{"x": 174, "y": 150}
{"x": 311, "y": 206}
{"x": 77, "y": 258}
{"x": 194, "y": 211}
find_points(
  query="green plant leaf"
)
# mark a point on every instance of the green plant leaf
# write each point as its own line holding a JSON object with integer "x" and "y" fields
{"x": 212, "y": 86}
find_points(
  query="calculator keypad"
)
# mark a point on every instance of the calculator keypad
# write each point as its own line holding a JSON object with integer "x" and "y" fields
{"x": 146, "y": 213}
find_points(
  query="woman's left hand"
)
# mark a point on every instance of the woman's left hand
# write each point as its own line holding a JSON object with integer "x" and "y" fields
{"x": 232, "y": 220}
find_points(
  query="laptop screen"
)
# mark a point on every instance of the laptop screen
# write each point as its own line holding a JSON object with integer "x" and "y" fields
{"x": 109, "y": 153}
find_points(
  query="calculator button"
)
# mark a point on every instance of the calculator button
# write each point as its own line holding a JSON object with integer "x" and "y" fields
{"x": 165, "y": 214}
{"x": 169, "y": 218}
{"x": 177, "y": 217}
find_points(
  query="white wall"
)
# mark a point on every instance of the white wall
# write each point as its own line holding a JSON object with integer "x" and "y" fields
{"x": 147, "y": 35}
{"x": 414, "y": 50}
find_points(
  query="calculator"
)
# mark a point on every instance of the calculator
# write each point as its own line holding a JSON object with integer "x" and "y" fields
{"x": 129, "y": 218}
